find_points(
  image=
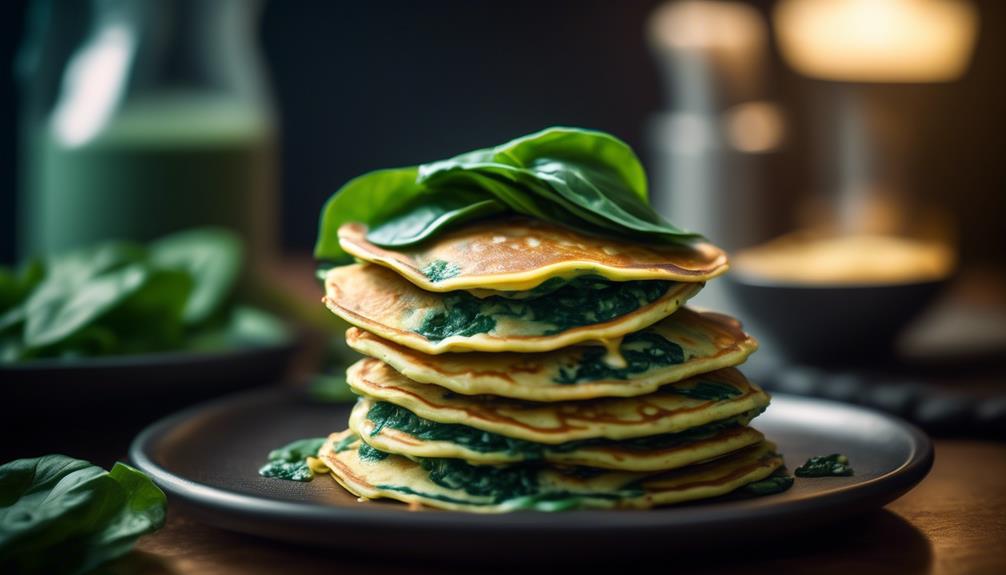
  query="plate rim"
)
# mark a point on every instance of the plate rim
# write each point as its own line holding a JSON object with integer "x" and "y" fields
{"x": 211, "y": 501}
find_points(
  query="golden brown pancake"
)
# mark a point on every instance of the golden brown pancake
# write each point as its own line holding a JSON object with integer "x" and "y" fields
{"x": 684, "y": 344}
{"x": 403, "y": 433}
{"x": 378, "y": 300}
{"x": 671, "y": 409}
{"x": 519, "y": 253}
{"x": 455, "y": 485}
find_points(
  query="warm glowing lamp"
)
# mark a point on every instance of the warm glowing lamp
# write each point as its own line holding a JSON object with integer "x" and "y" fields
{"x": 877, "y": 40}
{"x": 863, "y": 47}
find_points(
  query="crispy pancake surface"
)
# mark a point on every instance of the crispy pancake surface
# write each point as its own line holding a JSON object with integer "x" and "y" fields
{"x": 456, "y": 485}
{"x": 517, "y": 253}
{"x": 393, "y": 429}
{"x": 684, "y": 344}
{"x": 376, "y": 299}
{"x": 673, "y": 408}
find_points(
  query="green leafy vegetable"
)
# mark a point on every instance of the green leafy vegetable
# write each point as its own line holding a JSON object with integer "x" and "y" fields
{"x": 290, "y": 461}
{"x": 213, "y": 258}
{"x": 60, "y": 515}
{"x": 121, "y": 298}
{"x": 832, "y": 465}
{"x": 582, "y": 179}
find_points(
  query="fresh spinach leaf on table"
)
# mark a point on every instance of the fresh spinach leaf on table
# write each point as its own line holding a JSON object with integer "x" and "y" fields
{"x": 60, "y": 515}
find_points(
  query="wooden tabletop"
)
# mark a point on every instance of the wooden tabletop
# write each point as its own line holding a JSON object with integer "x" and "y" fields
{"x": 953, "y": 522}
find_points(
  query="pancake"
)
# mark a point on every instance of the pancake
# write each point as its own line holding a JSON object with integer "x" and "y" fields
{"x": 394, "y": 429}
{"x": 456, "y": 485}
{"x": 671, "y": 409}
{"x": 518, "y": 254}
{"x": 378, "y": 300}
{"x": 680, "y": 346}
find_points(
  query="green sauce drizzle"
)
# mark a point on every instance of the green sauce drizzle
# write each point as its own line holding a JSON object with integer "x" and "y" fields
{"x": 290, "y": 461}
{"x": 389, "y": 415}
{"x": 570, "y": 306}
{"x": 440, "y": 270}
{"x": 832, "y": 465}
{"x": 642, "y": 351}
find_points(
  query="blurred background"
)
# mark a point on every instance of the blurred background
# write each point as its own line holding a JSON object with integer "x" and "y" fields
{"x": 866, "y": 134}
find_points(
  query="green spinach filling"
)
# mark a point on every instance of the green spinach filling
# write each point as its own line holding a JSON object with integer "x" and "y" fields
{"x": 642, "y": 351}
{"x": 384, "y": 414}
{"x": 516, "y": 485}
{"x": 573, "y": 305}
{"x": 832, "y": 465}
{"x": 709, "y": 391}
{"x": 778, "y": 482}
{"x": 440, "y": 270}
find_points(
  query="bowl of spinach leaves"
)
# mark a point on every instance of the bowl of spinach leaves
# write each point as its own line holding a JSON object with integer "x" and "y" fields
{"x": 134, "y": 319}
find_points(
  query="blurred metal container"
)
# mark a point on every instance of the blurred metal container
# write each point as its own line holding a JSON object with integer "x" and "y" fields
{"x": 712, "y": 149}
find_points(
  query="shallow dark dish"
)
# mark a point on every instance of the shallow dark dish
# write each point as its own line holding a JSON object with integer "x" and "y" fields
{"x": 847, "y": 324}
{"x": 92, "y": 406}
{"x": 206, "y": 459}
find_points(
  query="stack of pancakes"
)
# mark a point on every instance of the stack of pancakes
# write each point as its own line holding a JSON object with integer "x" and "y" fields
{"x": 514, "y": 364}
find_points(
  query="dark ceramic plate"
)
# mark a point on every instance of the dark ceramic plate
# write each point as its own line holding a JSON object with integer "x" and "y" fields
{"x": 206, "y": 459}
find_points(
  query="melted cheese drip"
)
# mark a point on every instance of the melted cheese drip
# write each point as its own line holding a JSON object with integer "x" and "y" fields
{"x": 613, "y": 355}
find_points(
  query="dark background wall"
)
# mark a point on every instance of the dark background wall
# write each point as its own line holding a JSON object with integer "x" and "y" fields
{"x": 362, "y": 85}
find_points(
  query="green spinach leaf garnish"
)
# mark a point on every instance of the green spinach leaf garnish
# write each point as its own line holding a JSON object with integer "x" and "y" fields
{"x": 60, "y": 515}
{"x": 583, "y": 179}
{"x": 290, "y": 461}
{"x": 833, "y": 465}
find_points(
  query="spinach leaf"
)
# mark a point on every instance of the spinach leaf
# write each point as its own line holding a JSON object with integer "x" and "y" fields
{"x": 834, "y": 465}
{"x": 290, "y": 461}
{"x": 120, "y": 298}
{"x": 65, "y": 516}
{"x": 582, "y": 179}
{"x": 213, "y": 258}
{"x": 59, "y": 309}
{"x": 436, "y": 213}
{"x": 370, "y": 199}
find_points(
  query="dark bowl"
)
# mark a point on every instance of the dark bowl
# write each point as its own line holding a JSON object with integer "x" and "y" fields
{"x": 89, "y": 407}
{"x": 848, "y": 324}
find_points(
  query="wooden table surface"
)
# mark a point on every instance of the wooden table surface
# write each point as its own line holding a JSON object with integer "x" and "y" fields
{"x": 953, "y": 522}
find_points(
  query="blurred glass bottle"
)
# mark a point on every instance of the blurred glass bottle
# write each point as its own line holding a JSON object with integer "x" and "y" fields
{"x": 160, "y": 119}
